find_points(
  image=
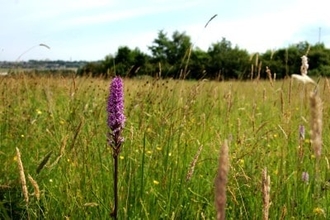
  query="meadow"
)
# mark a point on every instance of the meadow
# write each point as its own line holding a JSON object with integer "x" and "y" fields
{"x": 169, "y": 159}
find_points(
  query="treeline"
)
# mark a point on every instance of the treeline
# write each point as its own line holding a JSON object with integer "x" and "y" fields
{"x": 176, "y": 57}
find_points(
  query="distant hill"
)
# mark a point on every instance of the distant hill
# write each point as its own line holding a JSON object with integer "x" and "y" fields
{"x": 43, "y": 65}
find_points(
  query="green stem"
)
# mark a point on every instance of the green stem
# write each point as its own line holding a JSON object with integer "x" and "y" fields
{"x": 115, "y": 186}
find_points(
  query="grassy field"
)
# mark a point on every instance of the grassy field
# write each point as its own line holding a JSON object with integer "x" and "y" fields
{"x": 59, "y": 126}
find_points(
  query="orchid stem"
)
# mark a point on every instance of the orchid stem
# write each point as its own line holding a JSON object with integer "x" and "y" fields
{"x": 115, "y": 186}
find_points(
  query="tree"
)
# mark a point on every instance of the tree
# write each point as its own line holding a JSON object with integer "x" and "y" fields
{"x": 92, "y": 68}
{"x": 127, "y": 62}
{"x": 175, "y": 57}
{"x": 198, "y": 65}
{"x": 319, "y": 60}
{"x": 170, "y": 55}
{"x": 227, "y": 61}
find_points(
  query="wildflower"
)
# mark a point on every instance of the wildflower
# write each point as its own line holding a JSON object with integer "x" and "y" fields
{"x": 38, "y": 112}
{"x": 116, "y": 118}
{"x": 301, "y": 132}
{"x": 116, "y": 121}
{"x": 304, "y": 65}
{"x": 303, "y": 70}
{"x": 241, "y": 162}
{"x": 318, "y": 211}
{"x": 303, "y": 78}
{"x": 305, "y": 177}
{"x": 156, "y": 182}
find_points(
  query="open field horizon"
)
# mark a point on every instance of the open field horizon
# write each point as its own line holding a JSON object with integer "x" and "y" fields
{"x": 59, "y": 126}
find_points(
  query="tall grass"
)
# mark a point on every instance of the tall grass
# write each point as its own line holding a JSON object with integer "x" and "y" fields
{"x": 59, "y": 125}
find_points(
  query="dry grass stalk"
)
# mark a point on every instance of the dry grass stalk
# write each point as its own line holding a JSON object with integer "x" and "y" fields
{"x": 221, "y": 182}
{"x": 259, "y": 71}
{"x": 324, "y": 85}
{"x": 264, "y": 94}
{"x": 22, "y": 176}
{"x": 64, "y": 141}
{"x": 265, "y": 194}
{"x": 269, "y": 73}
{"x": 160, "y": 70}
{"x": 91, "y": 204}
{"x": 73, "y": 87}
{"x": 185, "y": 72}
{"x": 35, "y": 187}
{"x": 43, "y": 162}
{"x": 252, "y": 117}
{"x": 316, "y": 123}
{"x": 283, "y": 213}
{"x": 251, "y": 72}
{"x": 290, "y": 91}
{"x": 76, "y": 134}
{"x": 238, "y": 134}
{"x": 4, "y": 187}
{"x": 282, "y": 102}
{"x": 257, "y": 59}
{"x": 193, "y": 163}
{"x": 327, "y": 83}
{"x": 301, "y": 142}
{"x": 316, "y": 136}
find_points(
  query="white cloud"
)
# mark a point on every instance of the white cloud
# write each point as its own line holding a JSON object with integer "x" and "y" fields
{"x": 261, "y": 31}
{"x": 101, "y": 26}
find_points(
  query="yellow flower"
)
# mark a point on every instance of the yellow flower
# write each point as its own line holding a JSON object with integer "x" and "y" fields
{"x": 156, "y": 182}
{"x": 121, "y": 157}
{"x": 318, "y": 211}
{"x": 38, "y": 112}
{"x": 241, "y": 162}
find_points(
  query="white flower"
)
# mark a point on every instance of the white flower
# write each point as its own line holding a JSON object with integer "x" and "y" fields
{"x": 304, "y": 65}
{"x": 303, "y": 69}
{"x": 303, "y": 78}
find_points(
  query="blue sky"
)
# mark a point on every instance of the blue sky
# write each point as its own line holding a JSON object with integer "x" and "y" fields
{"x": 91, "y": 29}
